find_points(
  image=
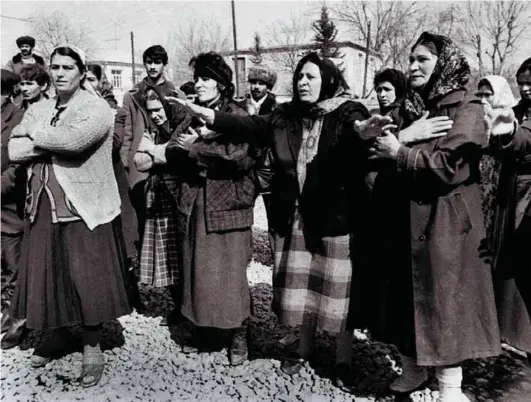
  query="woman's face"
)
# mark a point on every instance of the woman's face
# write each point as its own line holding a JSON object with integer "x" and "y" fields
{"x": 485, "y": 93}
{"x": 206, "y": 89}
{"x": 65, "y": 74}
{"x": 385, "y": 92}
{"x": 309, "y": 83}
{"x": 524, "y": 85}
{"x": 93, "y": 80}
{"x": 421, "y": 65}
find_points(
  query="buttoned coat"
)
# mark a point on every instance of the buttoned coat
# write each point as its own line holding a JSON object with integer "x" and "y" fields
{"x": 426, "y": 257}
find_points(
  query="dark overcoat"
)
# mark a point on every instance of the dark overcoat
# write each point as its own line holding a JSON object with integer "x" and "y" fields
{"x": 434, "y": 294}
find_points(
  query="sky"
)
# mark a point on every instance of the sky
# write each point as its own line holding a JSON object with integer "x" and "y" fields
{"x": 110, "y": 22}
{"x": 151, "y": 21}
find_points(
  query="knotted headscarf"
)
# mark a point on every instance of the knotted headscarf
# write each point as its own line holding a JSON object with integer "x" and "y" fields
{"x": 502, "y": 94}
{"x": 451, "y": 72}
{"x": 334, "y": 89}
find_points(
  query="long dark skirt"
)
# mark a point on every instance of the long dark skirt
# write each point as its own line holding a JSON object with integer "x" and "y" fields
{"x": 215, "y": 289}
{"x": 69, "y": 274}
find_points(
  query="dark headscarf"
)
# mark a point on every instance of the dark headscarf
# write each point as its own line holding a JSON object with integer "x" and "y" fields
{"x": 397, "y": 79}
{"x": 178, "y": 120}
{"x": 333, "y": 85}
{"x": 26, "y": 40}
{"x": 330, "y": 75}
{"x": 9, "y": 82}
{"x": 212, "y": 65}
{"x": 451, "y": 72}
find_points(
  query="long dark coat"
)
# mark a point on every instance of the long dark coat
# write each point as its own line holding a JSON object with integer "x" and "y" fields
{"x": 431, "y": 289}
{"x": 513, "y": 316}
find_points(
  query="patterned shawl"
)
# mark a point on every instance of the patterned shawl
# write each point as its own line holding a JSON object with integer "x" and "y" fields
{"x": 451, "y": 72}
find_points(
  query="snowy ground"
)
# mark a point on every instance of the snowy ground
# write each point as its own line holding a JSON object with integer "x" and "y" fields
{"x": 145, "y": 362}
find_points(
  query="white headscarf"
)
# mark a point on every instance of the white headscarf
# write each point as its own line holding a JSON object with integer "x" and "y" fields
{"x": 503, "y": 96}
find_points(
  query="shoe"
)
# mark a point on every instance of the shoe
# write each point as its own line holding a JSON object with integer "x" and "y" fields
{"x": 238, "y": 352}
{"x": 39, "y": 361}
{"x": 14, "y": 334}
{"x": 92, "y": 366}
{"x": 413, "y": 376}
{"x": 343, "y": 377}
{"x": 292, "y": 364}
{"x": 174, "y": 318}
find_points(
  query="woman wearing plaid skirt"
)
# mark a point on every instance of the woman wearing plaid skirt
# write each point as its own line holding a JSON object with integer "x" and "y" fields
{"x": 317, "y": 184}
{"x": 159, "y": 255}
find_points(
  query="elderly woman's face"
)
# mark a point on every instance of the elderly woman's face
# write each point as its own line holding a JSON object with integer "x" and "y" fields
{"x": 385, "y": 92}
{"x": 485, "y": 93}
{"x": 65, "y": 74}
{"x": 421, "y": 65}
{"x": 206, "y": 89}
{"x": 309, "y": 83}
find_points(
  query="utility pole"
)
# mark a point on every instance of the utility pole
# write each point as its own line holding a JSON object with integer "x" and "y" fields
{"x": 367, "y": 50}
{"x": 235, "y": 50}
{"x": 133, "y": 57}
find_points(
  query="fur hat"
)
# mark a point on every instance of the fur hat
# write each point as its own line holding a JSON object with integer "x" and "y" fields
{"x": 26, "y": 40}
{"x": 213, "y": 66}
{"x": 263, "y": 73}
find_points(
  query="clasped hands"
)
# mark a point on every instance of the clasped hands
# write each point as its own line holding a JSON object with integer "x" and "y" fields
{"x": 386, "y": 144}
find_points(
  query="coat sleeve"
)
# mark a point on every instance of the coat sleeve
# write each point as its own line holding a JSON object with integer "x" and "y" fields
{"x": 221, "y": 156}
{"x": 118, "y": 136}
{"x": 521, "y": 142}
{"x": 126, "y": 128}
{"x": 20, "y": 147}
{"x": 88, "y": 126}
{"x": 256, "y": 128}
{"x": 449, "y": 162}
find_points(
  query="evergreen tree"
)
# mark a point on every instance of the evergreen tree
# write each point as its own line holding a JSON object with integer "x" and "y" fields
{"x": 257, "y": 49}
{"x": 325, "y": 35}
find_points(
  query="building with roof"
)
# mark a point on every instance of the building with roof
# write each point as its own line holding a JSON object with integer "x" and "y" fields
{"x": 284, "y": 60}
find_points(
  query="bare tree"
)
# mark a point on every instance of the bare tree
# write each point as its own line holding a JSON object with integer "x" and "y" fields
{"x": 189, "y": 41}
{"x": 494, "y": 29}
{"x": 394, "y": 26}
{"x": 56, "y": 29}
{"x": 288, "y": 35}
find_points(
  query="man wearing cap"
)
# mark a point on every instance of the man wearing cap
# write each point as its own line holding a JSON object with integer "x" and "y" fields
{"x": 261, "y": 80}
{"x": 26, "y": 55}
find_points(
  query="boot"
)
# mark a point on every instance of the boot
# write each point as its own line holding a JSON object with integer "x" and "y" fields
{"x": 449, "y": 379}
{"x": 14, "y": 334}
{"x": 413, "y": 376}
{"x": 92, "y": 366}
{"x": 238, "y": 351}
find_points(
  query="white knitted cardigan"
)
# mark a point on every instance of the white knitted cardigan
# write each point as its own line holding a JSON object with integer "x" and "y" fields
{"x": 81, "y": 149}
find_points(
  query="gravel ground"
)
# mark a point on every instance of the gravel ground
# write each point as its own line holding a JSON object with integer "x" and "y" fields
{"x": 146, "y": 363}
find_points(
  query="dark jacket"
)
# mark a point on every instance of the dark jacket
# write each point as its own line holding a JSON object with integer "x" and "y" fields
{"x": 16, "y": 64}
{"x": 333, "y": 194}
{"x": 13, "y": 176}
{"x": 427, "y": 226}
{"x": 223, "y": 169}
{"x": 136, "y": 122}
{"x": 269, "y": 104}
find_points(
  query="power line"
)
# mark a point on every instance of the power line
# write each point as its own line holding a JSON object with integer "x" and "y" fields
{"x": 19, "y": 19}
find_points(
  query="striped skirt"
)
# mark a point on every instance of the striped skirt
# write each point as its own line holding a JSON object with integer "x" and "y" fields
{"x": 311, "y": 287}
{"x": 159, "y": 257}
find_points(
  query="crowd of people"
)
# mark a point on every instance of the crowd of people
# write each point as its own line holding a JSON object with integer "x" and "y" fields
{"x": 413, "y": 222}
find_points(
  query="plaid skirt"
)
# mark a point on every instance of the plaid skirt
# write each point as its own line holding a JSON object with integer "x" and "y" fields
{"x": 311, "y": 287}
{"x": 159, "y": 256}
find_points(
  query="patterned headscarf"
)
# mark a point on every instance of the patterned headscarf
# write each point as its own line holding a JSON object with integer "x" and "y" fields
{"x": 451, "y": 72}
